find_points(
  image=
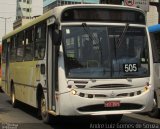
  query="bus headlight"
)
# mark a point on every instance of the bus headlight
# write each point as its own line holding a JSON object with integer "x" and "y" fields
{"x": 146, "y": 88}
{"x": 74, "y": 92}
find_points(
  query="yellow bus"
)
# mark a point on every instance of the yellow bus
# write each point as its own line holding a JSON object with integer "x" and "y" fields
{"x": 81, "y": 60}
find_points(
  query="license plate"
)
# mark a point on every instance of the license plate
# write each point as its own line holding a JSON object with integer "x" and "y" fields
{"x": 112, "y": 104}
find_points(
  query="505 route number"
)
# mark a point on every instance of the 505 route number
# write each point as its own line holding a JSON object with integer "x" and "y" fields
{"x": 130, "y": 68}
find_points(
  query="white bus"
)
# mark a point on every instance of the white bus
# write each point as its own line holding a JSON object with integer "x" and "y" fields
{"x": 81, "y": 60}
{"x": 155, "y": 41}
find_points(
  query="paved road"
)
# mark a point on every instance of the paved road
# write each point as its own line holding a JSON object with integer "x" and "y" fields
{"x": 24, "y": 117}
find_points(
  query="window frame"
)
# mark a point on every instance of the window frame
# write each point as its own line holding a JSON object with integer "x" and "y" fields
{"x": 21, "y": 47}
{"x": 43, "y": 33}
{"x": 31, "y": 31}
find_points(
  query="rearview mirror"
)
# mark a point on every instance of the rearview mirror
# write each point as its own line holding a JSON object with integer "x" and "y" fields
{"x": 57, "y": 35}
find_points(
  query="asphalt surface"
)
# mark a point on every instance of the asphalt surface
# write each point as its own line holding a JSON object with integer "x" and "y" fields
{"x": 24, "y": 117}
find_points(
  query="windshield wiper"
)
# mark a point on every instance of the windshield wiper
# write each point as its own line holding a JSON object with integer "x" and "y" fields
{"x": 90, "y": 34}
{"x": 119, "y": 41}
{"x": 92, "y": 37}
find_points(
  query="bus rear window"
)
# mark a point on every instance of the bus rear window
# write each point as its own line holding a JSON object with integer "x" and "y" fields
{"x": 103, "y": 15}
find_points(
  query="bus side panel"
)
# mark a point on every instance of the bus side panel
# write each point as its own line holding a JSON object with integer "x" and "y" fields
{"x": 156, "y": 59}
{"x": 24, "y": 77}
{"x": 157, "y": 81}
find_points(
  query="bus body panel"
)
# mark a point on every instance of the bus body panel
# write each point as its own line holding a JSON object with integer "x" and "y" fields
{"x": 24, "y": 76}
{"x": 157, "y": 81}
{"x": 155, "y": 34}
{"x": 97, "y": 105}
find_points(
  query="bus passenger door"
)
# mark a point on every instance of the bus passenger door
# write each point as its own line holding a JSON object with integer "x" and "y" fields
{"x": 51, "y": 69}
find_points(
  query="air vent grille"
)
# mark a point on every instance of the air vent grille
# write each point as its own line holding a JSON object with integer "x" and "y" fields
{"x": 80, "y": 84}
{"x": 111, "y": 86}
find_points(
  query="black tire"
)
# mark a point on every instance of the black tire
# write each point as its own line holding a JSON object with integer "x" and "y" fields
{"x": 113, "y": 118}
{"x": 43, "y": 112}
{"x": 1, "y": 91}
{"x": 13, "y": 97}
{"x": 155, "y": 111}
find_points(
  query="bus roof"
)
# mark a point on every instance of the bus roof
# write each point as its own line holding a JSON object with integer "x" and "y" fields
{"x": 154, "y": 28}
{"x": 59, "y": 9}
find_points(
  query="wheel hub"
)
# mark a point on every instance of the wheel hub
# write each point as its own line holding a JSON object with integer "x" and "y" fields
{"x": 43, "y": 107}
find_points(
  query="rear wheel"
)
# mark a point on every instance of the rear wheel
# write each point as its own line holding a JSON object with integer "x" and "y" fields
{"x": 113, "y": 118}
{"x": 13, "y": 97}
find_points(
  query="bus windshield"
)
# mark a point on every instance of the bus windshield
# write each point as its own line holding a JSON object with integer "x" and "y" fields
{"x": 101, "y": 51}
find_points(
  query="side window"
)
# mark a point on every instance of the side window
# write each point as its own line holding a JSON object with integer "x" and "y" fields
{"x": 40, "y": 41}
{"x": 4, "y": 51}
{"x": 13, "y": 49}
{"x": 157, "y": 37}
{"x": 155, "y": 40}
{"x": 29, "y": 38}
{"x": 20, "y": 46}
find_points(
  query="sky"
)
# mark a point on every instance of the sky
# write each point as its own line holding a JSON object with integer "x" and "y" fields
{"x": 7, "y": 10}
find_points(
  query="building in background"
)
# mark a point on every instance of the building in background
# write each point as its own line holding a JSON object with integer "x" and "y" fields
{"x": 152, "y": 16}
{"x": 27, "y": 10}
{"x": 8, "y": 16}
{"x": 24, "y": 9}
{"x": 49, "y": 4}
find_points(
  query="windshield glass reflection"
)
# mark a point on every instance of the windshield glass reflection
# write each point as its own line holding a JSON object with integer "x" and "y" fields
{"x": 95, "y": 52}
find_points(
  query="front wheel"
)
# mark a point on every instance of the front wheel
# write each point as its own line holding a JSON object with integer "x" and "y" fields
{"x": 155, "y": 111}
{"x": 46, "y": 117}
{"x": 113, "y": 118}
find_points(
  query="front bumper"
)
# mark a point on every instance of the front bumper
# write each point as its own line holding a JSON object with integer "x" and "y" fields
{"x": 77, "y": 105}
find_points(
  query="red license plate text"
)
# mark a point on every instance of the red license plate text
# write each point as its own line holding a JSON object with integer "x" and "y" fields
{"x": 112, "y": 104}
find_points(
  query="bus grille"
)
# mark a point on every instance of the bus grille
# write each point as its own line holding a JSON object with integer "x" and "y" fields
{"x": 100, "y": 107}
{"x": 111, "y": 86}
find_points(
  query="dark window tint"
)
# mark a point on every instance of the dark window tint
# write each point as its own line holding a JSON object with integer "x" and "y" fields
{"x": 4, "y": 51}
{"x": 40, "y": 41}
{"x": 99, "y": 52}
{"x": 155, "y": 41}
{"x": 13, "y": 49}
{"x": 20, "y": 46}
{"x": 29, "y": 38}
{"x": 28, "y": 9}
{"x": 27, "y": 1}
{"x": 103, "y": 14}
